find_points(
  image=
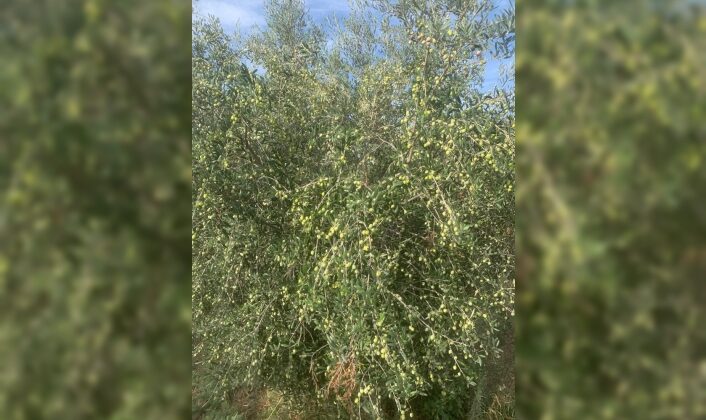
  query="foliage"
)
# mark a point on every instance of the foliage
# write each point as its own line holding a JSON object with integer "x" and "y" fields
{"x": 610, "y": 220}
{"x": 94, "y": 256}
{"x": 353, "y": 207}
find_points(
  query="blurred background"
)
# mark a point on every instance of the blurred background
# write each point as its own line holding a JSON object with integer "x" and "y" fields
{"x": 95, "y": 181}
{"x": 611, "y": 227}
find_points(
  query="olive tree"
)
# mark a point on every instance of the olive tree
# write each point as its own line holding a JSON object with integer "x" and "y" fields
{"x": 354, "y": 207}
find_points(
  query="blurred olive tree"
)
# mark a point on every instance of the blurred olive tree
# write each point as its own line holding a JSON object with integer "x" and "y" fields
{"x": 94, "y": 209}
{"x": 611, "y": 221}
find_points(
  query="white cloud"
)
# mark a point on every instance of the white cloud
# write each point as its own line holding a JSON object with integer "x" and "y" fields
{"x": 233, "y": 13}
{"x": 249, "y": 13}
{"x": 324, "y": 7}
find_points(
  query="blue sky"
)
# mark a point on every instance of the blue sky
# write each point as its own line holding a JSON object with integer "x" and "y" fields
{"x": 248, "y": 14}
